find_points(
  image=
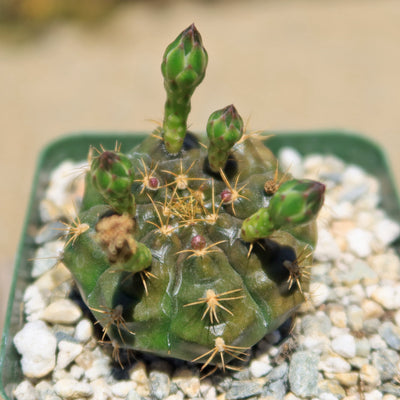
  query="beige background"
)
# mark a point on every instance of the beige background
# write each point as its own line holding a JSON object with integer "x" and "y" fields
{"x": 288, "y": 64}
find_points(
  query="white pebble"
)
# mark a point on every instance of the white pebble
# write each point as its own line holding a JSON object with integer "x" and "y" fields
{"x": 353, "y": 175}
{"x": 291, "y": 160}
{"x": 359, "y": 242}
{"x": 344, "y": 345}
{"x": 25, "y": 391}
{"x": 374, "y": 395}
{"x": 68, "y": 351}
{"x": 62, "y": 311}
{"x": 122, "y": 388}
{"x": 100, "y": 368}
{"x": 84, "y": 331}
{"x": 387, "y": 296}
{"x": 72, "y": 389}
{"x": 334, "y": 364}
{"x": 386, "y": 231}
{"x": 46, "y": 257}
{"x": 319, "y": 293}
{"x": 259, "y": 368}
{"x": 37, "y": 345}
{"x": 327, "y": 249}
{"x": 34, "y": 301}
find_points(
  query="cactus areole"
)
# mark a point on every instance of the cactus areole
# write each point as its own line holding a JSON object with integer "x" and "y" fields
{"x": 183, "y": 252}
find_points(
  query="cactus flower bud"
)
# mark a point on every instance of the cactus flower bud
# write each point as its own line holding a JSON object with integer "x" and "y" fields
{"x": 296, "y": 202}
{"x": 224, "y": 129}
{"x": 183, "y": 67}
{"x": 112, "y": 175}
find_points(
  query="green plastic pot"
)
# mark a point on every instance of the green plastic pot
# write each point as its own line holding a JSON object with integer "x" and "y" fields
{"x": 351, "y": 148}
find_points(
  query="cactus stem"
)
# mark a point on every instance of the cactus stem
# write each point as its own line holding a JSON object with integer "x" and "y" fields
{"x": 296, "y": 271}
{"x": 112, "y": 316}
{"x": 74, "y": 230}
{"x": 231, "y": 194}
{"x": 143, "y": 275}
{"x": 202, "y": 251}
{"x": 213, "y": 301}
{"x": 149, "y": 181}
{"x": 182, "y": 180}
{"x": 164, "y": 228}
{"x": 221, "y": 348}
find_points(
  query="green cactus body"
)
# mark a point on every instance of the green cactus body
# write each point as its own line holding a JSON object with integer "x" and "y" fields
{"x": 170, "y": 258}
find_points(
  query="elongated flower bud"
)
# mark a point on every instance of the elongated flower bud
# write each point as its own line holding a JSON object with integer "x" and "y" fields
{"x": 224, "y": 129}
{"x": 183, "y": 67}
{"x": 112, "y": 175}
{"x": 296, "y": 202}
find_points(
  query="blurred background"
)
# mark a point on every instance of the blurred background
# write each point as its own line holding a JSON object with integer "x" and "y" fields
{"x": 72, "y": 65}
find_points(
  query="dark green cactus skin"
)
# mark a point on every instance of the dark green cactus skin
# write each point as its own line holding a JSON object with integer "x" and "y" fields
{"x": 182, "y": 251}
{"x": 161, "y": 321}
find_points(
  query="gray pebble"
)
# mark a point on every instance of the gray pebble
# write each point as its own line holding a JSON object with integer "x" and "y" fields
{"x": 385, "y": 361}
{"x": 276, "y": 389}
{"x": 303, "y": 374}
{"x": 390, "y": 388}
{"x": 159, "y": 384}
{"x": 279, "y": 372}
{"x": 391, "y": 334}
{"x": 243, "y": 390}
{"x": 316, "y": 324}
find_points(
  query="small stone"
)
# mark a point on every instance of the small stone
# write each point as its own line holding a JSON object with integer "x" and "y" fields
{"x": 25, "y": 391}
{"x": 72, "y": 389}
{"x": 77, "y": 372}
{"x": 370, "y": 377}
{"x": 291, "y": 160}
{"x": 386, "y": 265}
{"x": 344, "y": 345}
{"x": 44, "y": 390}
{"x": 37, "y": 345}
{"x": 176, "y": 396}
{"x": 243, "y": 390}
{"x": 327, "y": 248}
{"x": 373, "y": 395}
{"x": 62, "y": 311}
{"x": 332, "y": 387}
{"x": 46, "y": 257}
{"x": 359, "y": 242}
{"x": 259, "y": 368}
{"x": 391, "y": 389}
{"x": 385, "y": 361}
{"x": 159, "y": 384}
{"x": 133, "y": 395}
{"x": 386, "y": 231}
{"x": 276, "y": 389}
{"x": 316, "y": 324}
{"x": 35, "y": 302}
{"x": 84, "y": 331}
{"x": 347, "y": 379}
{"x": 371, "y": 309}
{"x": 338, "y": 316}
{"x": 99, "y": 368}
{"x": 101, "y": 390}
{"x": 363, "y": 347}
{"x": 334, "y": 364}
{"x": 189, "y": 386}
{"x": 122, "y": 388}
{"x": 355, "y": 318}
{"x": 68, "y": 351}
{"x": 303, "y": 374}
{"x": 319, "y": 293}
{"x": 376, "y": 342}
{"x": 391, "y": 334}
{"x": 387, "y": 296}
{"x": 279, "y": 372}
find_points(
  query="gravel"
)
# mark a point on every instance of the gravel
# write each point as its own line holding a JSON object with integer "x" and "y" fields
{"x": 345, "y": 343}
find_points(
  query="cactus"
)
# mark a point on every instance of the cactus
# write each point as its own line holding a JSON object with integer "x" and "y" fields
{"x": 179, "y": 248}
